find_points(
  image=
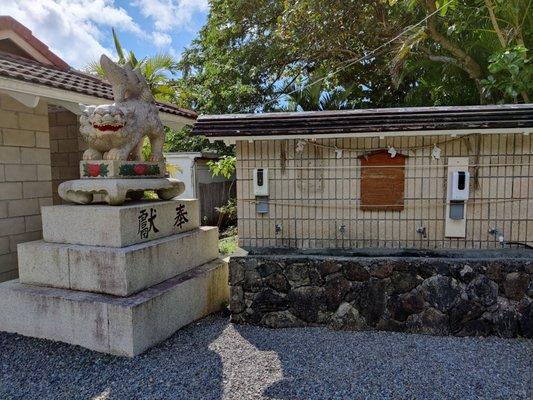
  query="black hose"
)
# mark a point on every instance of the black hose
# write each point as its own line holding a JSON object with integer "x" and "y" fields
{"x": 520, "y": 244}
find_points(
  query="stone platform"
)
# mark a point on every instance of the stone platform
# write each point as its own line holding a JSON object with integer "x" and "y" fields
{"x": 101, "y": 225}
{"x": 120, "y": 326}
{"x": 116, "y": 191}
{"x": 117, "y": 271}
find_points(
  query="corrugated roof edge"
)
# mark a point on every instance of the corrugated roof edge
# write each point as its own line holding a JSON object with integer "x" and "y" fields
{"x": 399, "y": 110}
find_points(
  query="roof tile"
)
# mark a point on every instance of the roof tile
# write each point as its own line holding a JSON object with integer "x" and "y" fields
{"x": 20, "y": 68}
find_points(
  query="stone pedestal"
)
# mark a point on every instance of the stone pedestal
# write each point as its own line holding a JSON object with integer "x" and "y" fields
{"x": 115, "y": 279}
{"x": 122, "y": 326}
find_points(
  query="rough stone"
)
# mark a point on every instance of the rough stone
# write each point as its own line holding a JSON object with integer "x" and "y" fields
{"x": 421, "y": 294}
{"x": 278, "y": 282}
{"x": 236, "y": 300}
{"x": 236, "y": 271}
{"x": 269, "y": 300}
{"x": 356, "y": 272}
{"x": 369, "y": 298}
{"x": 505, "y": 319}
{"x": 402, "y": 281}
{"x": 401, "y": 306}
{"x": 475, "y": 327}
{"x": 328, "y": 267}
{"x": 388, "y": 324}
{"x": 252, "y": 280}
{"x": 440, "y": 292}
{"x": 430, "y": 321}
{"x": 302, "y": 274}
{"x": 515, "y": 285}
{"x": 526, "y": 321}
{"x": 335, "y": 289}
{"x": 267, "y": 267}
{"x": 347, "y": 318}
{"x": 281, "y": 319}
{"x": 306, "y": 301}
{"x": 482, "y": 290}
{"x": 383, "y": 269}
{"x": 466, "y": 273}
{"x": 462, "y": 313}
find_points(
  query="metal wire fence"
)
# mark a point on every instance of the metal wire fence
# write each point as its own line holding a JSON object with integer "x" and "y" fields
{"x": 315, "y": 197}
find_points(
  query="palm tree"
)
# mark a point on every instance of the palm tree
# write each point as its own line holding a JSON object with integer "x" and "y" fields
{"x": 155, "y": 69}
{"x": 305, "y": 95}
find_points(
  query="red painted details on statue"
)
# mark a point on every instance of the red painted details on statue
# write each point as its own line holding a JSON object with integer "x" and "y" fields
{"x": 121, "y": 169}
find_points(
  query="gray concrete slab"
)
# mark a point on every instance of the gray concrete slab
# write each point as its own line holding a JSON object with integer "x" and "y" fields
{"x": 117, "y": 271}
{"x": 116, "y": 325}
{"x": 119, "y": 226}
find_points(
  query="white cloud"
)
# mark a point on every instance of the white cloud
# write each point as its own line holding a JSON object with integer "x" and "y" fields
{"x": 171, "y": 14}
{"x": 72, "y": 29}
{"x": 161, "y": 39}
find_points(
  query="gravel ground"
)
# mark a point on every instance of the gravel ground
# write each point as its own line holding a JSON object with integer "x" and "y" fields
{"x": 213, "y": 359}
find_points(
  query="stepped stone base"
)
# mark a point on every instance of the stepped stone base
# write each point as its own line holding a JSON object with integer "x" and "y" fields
{"x": 119, "y": 326}
{"x": 120, "y": 226}
{"x": 117, "y": 271}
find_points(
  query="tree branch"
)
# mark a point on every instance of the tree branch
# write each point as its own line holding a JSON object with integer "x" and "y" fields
{"x": 466, "y": 62}
{"x": 494, "y": 21}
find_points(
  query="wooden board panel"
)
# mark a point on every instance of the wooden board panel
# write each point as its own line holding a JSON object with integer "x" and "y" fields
{"x": 382, "y": 188}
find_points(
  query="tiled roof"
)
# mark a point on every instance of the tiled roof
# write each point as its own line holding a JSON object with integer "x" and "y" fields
{"x": 9, "y": 23}
{"x": 26, "y": 70}
{"x": 364, "y": 121}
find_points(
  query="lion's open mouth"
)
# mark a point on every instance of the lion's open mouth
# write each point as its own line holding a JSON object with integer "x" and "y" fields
{"x": 107, "y": 127}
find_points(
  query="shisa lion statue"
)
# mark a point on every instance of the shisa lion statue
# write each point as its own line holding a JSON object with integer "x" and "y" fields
{"x": 116, "y": 131}
{"x": 115, "y": 134}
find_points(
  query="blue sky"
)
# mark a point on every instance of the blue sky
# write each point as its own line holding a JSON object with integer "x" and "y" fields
{"x": 80, "y": 30}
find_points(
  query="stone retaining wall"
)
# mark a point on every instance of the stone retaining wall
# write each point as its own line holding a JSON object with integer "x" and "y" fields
{"x": 441, "y": 296}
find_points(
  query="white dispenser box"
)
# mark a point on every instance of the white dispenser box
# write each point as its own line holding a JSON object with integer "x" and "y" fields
{"x": 260, "y": 182}
{"x": 460, "y": 181}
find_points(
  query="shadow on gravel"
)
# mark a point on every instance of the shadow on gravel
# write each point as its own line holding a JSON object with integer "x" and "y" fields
{"x": 321, "y": 364}
{"x": 182, "y": 367}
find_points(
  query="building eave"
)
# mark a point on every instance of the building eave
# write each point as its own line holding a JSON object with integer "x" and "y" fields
{"x": 455, "y": 132}
{"x": 70, "y": 100}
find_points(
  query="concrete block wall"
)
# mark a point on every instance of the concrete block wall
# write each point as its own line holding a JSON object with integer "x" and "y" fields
{"x": 25, "y": 177}
{"x": 66, "y": 147}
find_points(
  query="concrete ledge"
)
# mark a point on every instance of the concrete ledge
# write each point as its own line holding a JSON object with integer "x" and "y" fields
{"x": 117, "y": 271}
{"x": 120, "y": 326}
{"x": 118, "y": 226}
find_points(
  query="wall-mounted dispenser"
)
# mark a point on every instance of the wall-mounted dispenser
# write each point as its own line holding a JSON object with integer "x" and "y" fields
{"x": 457, "y": 195}
{"x": 459, "y": 185}
{"x": 260, "y": 190}
{"x": 261, "y": 182}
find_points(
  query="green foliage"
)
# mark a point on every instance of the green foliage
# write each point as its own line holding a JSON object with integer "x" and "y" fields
{"x": 228, "y": 245}
{"x": 251, "y": 53}
{"x": 511, "y": 74}
{"x": 182, "y": 140}
{"x": 156, "y": 69}
{"x": 478, "y": 47}
{"x": 228, "y": 210}
{"x": 225, "y": 166}
{"x": 314, "y": 93}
